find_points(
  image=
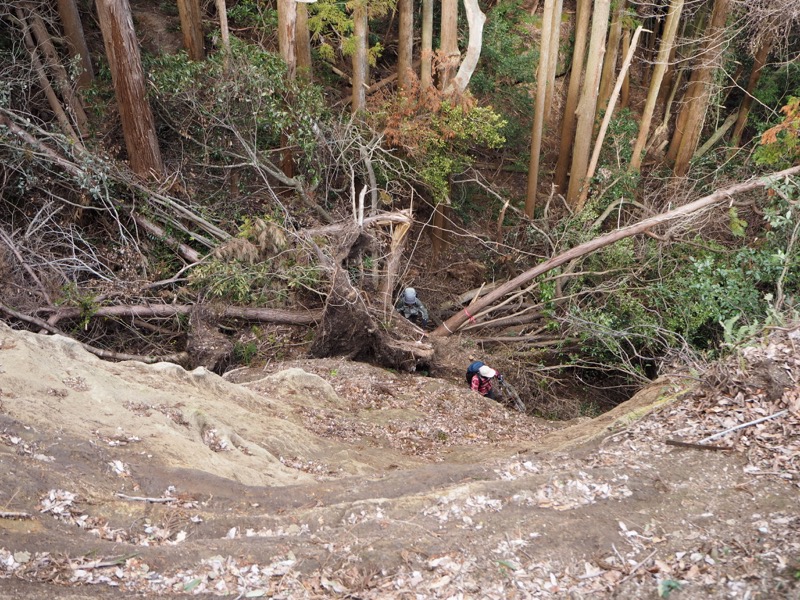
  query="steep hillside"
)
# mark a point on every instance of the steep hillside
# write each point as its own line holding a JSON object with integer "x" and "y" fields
{"x": 337, "y": 479}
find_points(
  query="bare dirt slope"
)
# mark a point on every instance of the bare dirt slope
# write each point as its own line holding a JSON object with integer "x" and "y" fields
{"x": 336, "y": 479}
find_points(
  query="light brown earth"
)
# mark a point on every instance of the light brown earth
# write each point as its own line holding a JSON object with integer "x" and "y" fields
{"x": 329, "y": 478}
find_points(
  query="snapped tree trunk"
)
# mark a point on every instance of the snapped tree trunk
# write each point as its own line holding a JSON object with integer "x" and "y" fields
{"x": 569, "y": 119}
{"x": 122, "y": 50}
{"x": 405, "y": 43}
{"x": 359, "y": 61}
{"x": 76, "y": 41}
{"x": 664, "y": 52}
{"x": 588, "y": 103}
{"x": 192, "y": 28}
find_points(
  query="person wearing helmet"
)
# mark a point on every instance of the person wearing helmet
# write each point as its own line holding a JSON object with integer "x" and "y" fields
{"x": 411, "y": 308}
{"x": 483, "y": 382}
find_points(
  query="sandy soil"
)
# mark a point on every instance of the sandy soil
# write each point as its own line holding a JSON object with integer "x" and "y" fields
{"x": 329, "y": 478}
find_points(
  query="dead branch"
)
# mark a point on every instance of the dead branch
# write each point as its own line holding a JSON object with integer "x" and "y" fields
{"x": 145, "y": 499}
{"x": 780, "y": 413}
{"x": 695, "y": 446}
{"x": 457, "y": 320}
{"x": 272, "y": 315}
{"x": 15, "y": 515}
{"x": 179, "y": 357}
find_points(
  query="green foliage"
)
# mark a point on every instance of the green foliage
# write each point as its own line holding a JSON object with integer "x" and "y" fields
{"x": 252, "y": 13}
{"x": 506, "y": 72}
{"x": 260, "y": 284}
{"x": 85, "y": 301}
{"x": 331, "y": 27}
{"x": 667, "y": 586}
{"x": 252, "y": 102}
{"x": 245, "y": 352}
{"x": 439, "y": 136}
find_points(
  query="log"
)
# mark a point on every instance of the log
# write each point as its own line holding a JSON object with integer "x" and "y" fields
{"x": 454, "y": 323}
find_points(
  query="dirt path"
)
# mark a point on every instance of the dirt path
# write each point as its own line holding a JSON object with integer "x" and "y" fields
{"x": 342, "y": 480}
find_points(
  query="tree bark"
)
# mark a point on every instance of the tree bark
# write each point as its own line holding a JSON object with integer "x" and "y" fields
{"x": 58, "y": 110}
{"x": 449, "y": 43}
{"x": 475, "y": 21}
{"x": 59, "y": 73}
{"x": 303, "y": 42}
{"x": 662, "y": 61}
{"x": 610, "y": 62}
{"x": 454, "y": 323}
{"x": 192, "y": 28}
{"x": 405, "y": 43}
{"x": 759, "y": 61}
{"x": 692, "y": 115}
{"x": 222, "y": 14}
{"x": 625, "y": 93}
{"x": 576, "y": 75}
{"x": 607, "y": 117}
{"x": 542, "y": 80}
{"x": 426, "y": 48}
{"x": 588, "y": 102}
{"x": 122, "y": 50}
{"x": 287, "y": 22}
{"x": 76, "y": 41}
{"x": 360, "y": 65}
{"x": 552, "y": 63}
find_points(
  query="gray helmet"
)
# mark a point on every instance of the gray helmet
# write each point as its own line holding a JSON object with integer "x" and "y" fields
{"x": 410, "y": 295}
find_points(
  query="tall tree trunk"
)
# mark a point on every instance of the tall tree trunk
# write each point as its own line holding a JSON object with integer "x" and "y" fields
{"x": 360, "y": 65}
{"x": 287, "y": 21}
{"x": 58, "y": 110}
{"x": 449, "y": 43}
{"x": 588, "y": 102}
{"x": 699, "y": 91}
{"x": 58, "y": 72}
{"x": 192, "y": 28}
{"x": 405, "y": 43}
{"x": 759, "y": 61}
{"x": 607, "y": 117}
{"x": 539, "y": 108}
{"x": 576, "y": 75}
{"x": 303, "y": 42}
{"x": 552, "y": 63}
{"x": 624, "y": 97}
{"x": 475, "y": 21}
{"x": 122, "y": 50}
{"x": 76, "y": 41}
{"x": 664, "y": 52}
{"x": 610, "y": 63}
{"x": 426, "y": 49}
{"x": 222, "y": 13}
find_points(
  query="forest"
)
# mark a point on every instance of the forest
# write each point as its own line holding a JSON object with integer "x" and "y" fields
{"x": 586, "y": 192}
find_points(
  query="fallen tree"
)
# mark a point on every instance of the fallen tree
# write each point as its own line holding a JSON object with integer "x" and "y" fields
{"x": 455, "y": 322}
